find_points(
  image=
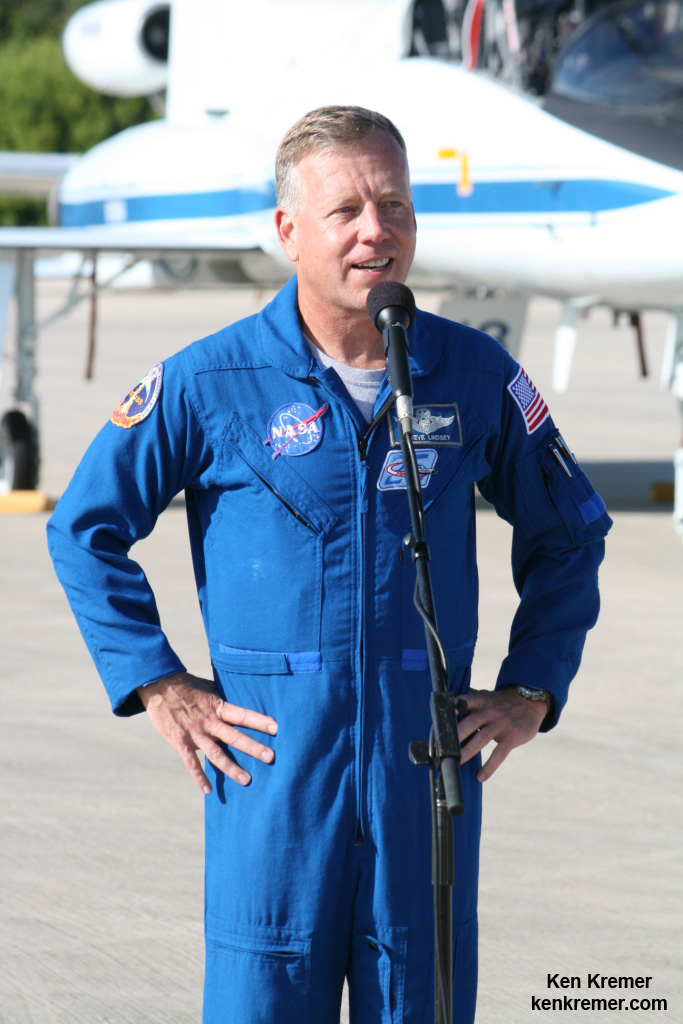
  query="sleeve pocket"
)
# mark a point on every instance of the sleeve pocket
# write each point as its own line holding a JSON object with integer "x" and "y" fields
{"x": 561, "y": 498}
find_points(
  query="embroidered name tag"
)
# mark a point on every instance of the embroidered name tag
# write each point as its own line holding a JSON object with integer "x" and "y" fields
{"x": 432, "y": 425}
{"x": 138, "y": 403}
{"x": 393, "y": 475}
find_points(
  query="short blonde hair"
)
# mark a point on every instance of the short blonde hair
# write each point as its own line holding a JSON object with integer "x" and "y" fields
{"x": 321, "y": 129}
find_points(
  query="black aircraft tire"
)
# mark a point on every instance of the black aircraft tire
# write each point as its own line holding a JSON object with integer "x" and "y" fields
{"x": 18, "y": 453}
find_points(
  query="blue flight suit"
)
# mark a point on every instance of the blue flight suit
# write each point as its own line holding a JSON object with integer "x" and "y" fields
{"x": 297, "y": 513}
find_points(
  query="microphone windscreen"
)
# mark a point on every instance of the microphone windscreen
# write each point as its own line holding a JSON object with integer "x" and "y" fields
{"x": 389, "y": 293}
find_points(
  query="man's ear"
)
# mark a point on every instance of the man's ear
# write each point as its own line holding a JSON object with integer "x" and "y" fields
{"x": 286, "y": 232}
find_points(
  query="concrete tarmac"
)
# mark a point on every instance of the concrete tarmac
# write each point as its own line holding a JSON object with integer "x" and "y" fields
{"x": 101, "y": 828}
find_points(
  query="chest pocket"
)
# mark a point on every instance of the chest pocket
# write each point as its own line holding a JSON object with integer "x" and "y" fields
{"x": 451, "y": 463}
{"x": 449, "y": 521}
{"x": 277, "y": 476}
{"x": 265, "y": 556}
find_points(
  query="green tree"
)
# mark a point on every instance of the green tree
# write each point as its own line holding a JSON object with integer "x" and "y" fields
{"x": 44, "y": 108}
{"x": 19, "y": 18}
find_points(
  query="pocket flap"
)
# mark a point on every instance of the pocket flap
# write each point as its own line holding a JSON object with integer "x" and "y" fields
{"x": 264, "y": 663}
{"x": 265, "y": 939}
{"x": 277, "y": 474}
{"x": 557, "y": 492}
{"x": 418, "y": 660}
{"x": 448, "y": 465}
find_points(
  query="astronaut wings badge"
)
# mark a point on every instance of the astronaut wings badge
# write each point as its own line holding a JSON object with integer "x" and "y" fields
{"x": 138, "y": 403}
{"x": 426, "y": 423}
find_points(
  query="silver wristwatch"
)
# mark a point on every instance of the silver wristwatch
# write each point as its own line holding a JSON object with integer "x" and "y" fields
{"x": 532, "y": 693}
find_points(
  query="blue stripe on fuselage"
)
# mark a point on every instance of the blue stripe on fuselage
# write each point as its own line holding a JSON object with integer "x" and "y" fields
{"x": 499, "y": 197}
{"x": 179, "y": 206}
{"x": 572, "y": 196}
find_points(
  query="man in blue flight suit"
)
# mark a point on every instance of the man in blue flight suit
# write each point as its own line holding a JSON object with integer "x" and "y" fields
{"x": 281, "y": 432}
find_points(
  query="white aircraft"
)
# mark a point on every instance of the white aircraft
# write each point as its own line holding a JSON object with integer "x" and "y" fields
{"x": 510, "y": 200}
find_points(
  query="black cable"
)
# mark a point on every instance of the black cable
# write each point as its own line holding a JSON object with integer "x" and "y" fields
{"x": 433, "y": 631}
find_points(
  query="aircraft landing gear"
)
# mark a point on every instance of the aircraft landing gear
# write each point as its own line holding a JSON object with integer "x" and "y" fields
{"x": 18, "y": 453}
{"x": 672, "y": 378}
{"x": 19, "y": 435}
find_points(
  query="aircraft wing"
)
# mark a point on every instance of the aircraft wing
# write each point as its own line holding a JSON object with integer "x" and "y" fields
{"x": 33, "y": 175}
{"x": 19, "y": 437}
{"x": 141, "y": 243}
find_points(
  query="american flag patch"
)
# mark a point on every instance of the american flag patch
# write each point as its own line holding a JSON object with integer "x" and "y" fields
{"x": 533, "y": 408}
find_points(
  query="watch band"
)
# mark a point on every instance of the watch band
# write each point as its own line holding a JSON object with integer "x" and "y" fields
{"x": 533, "y": 693}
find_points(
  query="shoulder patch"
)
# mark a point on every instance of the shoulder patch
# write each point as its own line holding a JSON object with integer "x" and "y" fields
{"x": 138, "y": 403}
{"x": 529, "y": 401}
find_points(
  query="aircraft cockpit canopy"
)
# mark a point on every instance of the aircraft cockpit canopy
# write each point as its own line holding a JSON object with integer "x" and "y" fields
{"x": 626, "y": 55}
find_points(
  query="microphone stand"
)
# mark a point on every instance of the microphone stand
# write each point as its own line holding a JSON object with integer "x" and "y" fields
{"x": 442, "y": 754}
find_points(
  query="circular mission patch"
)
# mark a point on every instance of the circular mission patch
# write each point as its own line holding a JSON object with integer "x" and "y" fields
{"x": 138, "y": 403}
{"x": 295, "y": 429}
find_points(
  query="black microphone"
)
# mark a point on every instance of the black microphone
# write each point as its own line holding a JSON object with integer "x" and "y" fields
{"x": 391, "y": 307}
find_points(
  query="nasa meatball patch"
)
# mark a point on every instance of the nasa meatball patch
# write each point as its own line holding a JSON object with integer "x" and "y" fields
{"x": 295, "y": 429}
{"x": 138, "y": 403}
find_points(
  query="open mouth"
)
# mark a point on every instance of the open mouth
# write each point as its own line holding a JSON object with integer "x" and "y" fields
{"x": 374, "y": 266}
